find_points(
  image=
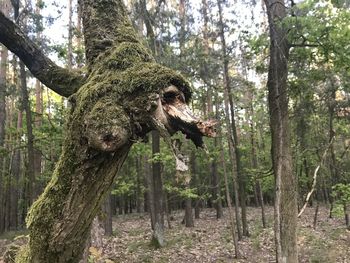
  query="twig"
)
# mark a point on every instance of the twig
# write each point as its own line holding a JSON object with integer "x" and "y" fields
{"x": 315, "y": 177}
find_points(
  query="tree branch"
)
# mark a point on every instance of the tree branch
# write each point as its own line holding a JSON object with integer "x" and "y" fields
{"x": 304, "y": 45}
{"x": 315, "y": 178}
{"x": 60, "y": 80}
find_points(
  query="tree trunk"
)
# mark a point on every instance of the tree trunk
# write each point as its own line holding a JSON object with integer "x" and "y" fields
{"x": 3, "y": 71}
{"x": 138, "y": 183}
{"x": 158, "y": 231}
{"x": 315, "y": 216}
{"x": 4, "y": 7}
{"x": 346, "y": 215}
{"x": 188, "y": 213}
{"x": 332, "y": 162}
{"x": 70, "y": 36}
{"x": 38, "y": 107}
{"x": 285, "y": 181}
{"x": 258, "y": 190}
{"x": 30, "y": 136}
{"x": 107, "y": 216}
{"x": 196, "y": 183}
{"x": 15, "y": 174}
{"x": 228, "y": 199}
{"x": 229, "y": 135}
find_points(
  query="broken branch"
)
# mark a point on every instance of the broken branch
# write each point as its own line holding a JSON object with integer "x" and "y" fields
{"x": 313, "y": 187}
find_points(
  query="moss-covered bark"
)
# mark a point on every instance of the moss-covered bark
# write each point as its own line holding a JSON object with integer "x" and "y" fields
{"x": 110, "y": 111}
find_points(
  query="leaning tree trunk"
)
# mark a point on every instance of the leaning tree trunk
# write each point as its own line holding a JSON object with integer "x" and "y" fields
{"x": 116, "y": 102}
{"x": 285, "y": 181}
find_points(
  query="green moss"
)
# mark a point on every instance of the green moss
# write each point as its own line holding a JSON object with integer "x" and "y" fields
{"x": 23, "y": 255}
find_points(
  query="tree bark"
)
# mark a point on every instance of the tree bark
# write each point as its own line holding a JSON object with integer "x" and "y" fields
{"x": 5, "y": 7}
{"x": 285, "y": 181}
{"x": 15, "y": 174}
{"x": 3, "y": 73}
{"x": 228, "y": 196}
{"x": 233, "y": 131}
{"x": 258, "y": 190}
{"x": 30, "y": 136}
{"x": 107, "y": 216}
{"x": 229, "y": 135}
{"x": 138, "y": 161}
{"x": 158, "y": 202}
{"x": 38, "y": 107}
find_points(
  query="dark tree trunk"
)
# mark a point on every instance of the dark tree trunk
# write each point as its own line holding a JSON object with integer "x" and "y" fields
{"x": 188, "y": 213}
{"x": 138, "y": 184}
{"x": 285, "y": 181}
{"x": 196, "y": 183}
{"x": 38, "y": 108}
{"x": 4, "y": 7}
{"x": 3, "y": 70}
{"x": 229, "y": 134}
{"x": 258, "y": 190}
{"x": 30, "y": 136}
{"x": 107, "y": 216}
{"x": 158, "y": 209}
{"x": 15, "y": 174}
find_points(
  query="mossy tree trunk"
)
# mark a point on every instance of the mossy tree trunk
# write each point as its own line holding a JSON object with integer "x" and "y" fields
{"x": 112, "y": 105}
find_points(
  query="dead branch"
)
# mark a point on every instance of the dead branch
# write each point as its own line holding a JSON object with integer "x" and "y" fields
{"x": 313, "y": 187}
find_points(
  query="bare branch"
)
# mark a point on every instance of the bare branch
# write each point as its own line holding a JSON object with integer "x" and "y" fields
{"x": 304, "y": 45}
{"x": 60, "y": 80}
{"x": 313, "y": 187}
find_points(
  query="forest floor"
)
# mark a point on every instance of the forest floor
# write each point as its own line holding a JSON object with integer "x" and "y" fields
{"x": 210, "y": 240}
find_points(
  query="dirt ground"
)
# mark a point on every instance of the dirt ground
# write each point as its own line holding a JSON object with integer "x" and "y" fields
{"x": 210, "y": 240}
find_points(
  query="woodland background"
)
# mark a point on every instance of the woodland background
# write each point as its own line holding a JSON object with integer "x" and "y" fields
{"x": 222, "y": 47}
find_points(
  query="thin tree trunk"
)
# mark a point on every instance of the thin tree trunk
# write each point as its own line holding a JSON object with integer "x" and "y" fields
{"x": 15, "y": 174}
{"x": 196, "y": 183}
{"x": 230, "y": 138}
{"x": 149, "y": 187}
{"x": 188, "y": 213}
{"x": 30, "y": 136}
{"x": 3, "y": 71}
{"x": 70, "y": 36}
{"x": 333, "y": 162}
{"x": 167, "y": 210}
{"x": 258, "y": 190}
{"x": 158, "y": 231}
{"x": 315, "y": 215}
{"x": 38, "y": 107}
{"x": 229, "y": 202}
{"x": 107, "y": 216}
{"x": 346, "y": 215}
{"x": 138, "y": 183}
{"x": 285, "y": 182}
{"x": 4, "y": 7}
